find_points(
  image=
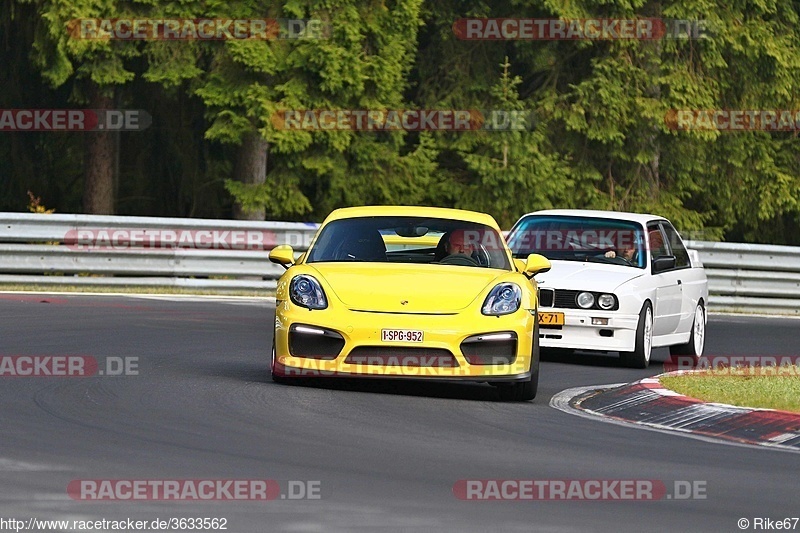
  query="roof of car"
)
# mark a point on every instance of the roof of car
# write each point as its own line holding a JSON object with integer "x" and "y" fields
{"x": 641, "y": 218}
{"x": 412, "y": 211}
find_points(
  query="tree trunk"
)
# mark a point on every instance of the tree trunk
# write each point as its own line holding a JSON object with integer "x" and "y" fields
{"x": 654, "y": 9}
{"x": 98, "y": 188}
{"x": 250, "y": 168}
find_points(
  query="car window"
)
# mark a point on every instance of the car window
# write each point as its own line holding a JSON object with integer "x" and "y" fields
{"x": 658, "y": 245}
{"x": 410, "y": 240}
{"x": 579, "y": 238}
{"x": 676, "y": 246}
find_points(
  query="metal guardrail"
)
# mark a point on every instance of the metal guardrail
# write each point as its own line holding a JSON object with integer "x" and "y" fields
{"x": 27, "y": 227}
{"x": 178, "y": 252}
{"x": 753, "y": 278}
{"x": 143, "y": 251}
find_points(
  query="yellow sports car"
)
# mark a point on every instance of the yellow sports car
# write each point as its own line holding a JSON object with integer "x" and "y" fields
{"x": 412, "y": 292}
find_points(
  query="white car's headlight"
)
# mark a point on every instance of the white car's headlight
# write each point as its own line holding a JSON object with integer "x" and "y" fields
{"x": 306, "y": 291}
{"x": 585, "y": 300}
{"x": 606, "y": 301}
{"x": 504, "y": 299}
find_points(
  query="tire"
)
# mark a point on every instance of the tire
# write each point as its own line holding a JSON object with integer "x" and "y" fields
{"x": 640, "y": 356}
{"x": 276, "y": 378}
{"x": 697, "y": 338}
{"x": 524, "y": 391}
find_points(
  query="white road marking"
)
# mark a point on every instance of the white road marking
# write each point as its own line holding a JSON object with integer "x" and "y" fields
{"x": 236, "y": 300}
{"x": 13, "y": 465}
{"x": 783, "y": 437}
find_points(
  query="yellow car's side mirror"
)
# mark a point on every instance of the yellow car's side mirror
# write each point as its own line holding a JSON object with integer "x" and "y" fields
{"x": 536, "y": 264}
{"x": 283, "y": 255}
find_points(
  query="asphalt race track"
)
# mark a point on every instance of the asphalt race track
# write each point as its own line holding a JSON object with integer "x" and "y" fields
{"x": 386, "y": 453}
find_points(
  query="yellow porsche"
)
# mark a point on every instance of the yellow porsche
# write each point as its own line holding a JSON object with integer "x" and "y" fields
{"x": 409, "y": 292}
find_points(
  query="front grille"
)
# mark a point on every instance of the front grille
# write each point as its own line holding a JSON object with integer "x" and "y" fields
{"x": 401, "y": 356}
{"x": 489, "y": 352}
{"x": 546, "y": 297}
{"x": 566, "y": 299}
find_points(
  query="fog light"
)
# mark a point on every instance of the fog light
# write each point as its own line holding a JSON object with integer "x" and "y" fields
{"x": 305, "y": 329}
{"x": 599, "y": 321}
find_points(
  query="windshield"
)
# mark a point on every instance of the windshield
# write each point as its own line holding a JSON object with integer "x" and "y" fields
{"x": 567, "y": 238}
{"x": 421, "y": 240}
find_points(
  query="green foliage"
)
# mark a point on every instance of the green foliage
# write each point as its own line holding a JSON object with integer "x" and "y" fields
{"x": 599, "y": 138}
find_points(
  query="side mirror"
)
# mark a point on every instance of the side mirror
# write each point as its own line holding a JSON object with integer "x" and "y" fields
{"x": 520, "y": 264}
{"x": 663, "y": 262}
{"x": 536, "y": 264}
{"x": 283, "y": 255}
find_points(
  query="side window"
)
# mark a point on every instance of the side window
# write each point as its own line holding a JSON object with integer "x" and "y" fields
{"x": 657, "y": 245}
{"x": 676, "y": 245}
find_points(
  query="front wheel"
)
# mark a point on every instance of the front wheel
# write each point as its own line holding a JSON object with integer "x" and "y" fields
{"x": 524, "y": 391}
{"x": 276, "y": 373}
{"x": 640, "y": 356}
{"x": 520, "y": 392}
{"x": 697, "y": 337}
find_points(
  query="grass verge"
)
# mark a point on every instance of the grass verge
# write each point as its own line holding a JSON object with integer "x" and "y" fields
{"x": 765, "y": 387}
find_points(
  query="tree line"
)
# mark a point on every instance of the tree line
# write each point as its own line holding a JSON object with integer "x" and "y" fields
{"x": 603, "y": 132}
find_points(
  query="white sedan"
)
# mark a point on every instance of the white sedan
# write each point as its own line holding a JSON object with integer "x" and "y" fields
{"x": 620, "y": 282}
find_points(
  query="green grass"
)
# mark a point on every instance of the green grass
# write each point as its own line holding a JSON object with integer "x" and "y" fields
{"x": 132, "y": 290}
{"x": 777, "y": 388}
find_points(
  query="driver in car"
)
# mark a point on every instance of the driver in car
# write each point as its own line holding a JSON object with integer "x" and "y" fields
{"x": 458, "y": 244}
{"x": 625, "y": 253}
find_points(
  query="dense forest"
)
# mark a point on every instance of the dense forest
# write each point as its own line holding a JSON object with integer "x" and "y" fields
{"x": 601, "y": 137}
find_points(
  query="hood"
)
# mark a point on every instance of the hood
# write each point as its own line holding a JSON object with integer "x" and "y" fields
{"x": 576, "y": 275}
{"x": 429, "y": 289}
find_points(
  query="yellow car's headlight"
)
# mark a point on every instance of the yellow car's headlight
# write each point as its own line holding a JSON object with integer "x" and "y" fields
{"x": 504, "y": 299}
{"x": 306, "y": 291}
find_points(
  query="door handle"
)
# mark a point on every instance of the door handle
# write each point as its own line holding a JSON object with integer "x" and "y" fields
{"x": 679, "y": 282}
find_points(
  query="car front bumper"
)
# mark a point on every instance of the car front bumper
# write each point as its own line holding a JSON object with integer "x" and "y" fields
{"x": 579, "y": 333}
{"x": 439, "y": 356}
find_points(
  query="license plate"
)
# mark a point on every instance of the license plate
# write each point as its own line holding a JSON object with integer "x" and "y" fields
{"x": 551, "y": 319}
{"x": 401, "y": 335}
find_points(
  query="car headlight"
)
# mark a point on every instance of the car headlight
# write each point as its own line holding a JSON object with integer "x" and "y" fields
{"x": 504, "y": 299}
{"x": 606, "y": 301}
{"x": 306, "y": 291}
{"x": 585, "y": 300}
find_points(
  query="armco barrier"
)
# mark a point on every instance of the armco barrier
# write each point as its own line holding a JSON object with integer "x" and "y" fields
{"x": 752, "y": 278}
{"x": 45, "y": 250}
{"x": 143, "y": 251}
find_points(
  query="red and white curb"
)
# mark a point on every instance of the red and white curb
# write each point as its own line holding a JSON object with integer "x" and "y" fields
{"x": 648, "y": 404}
